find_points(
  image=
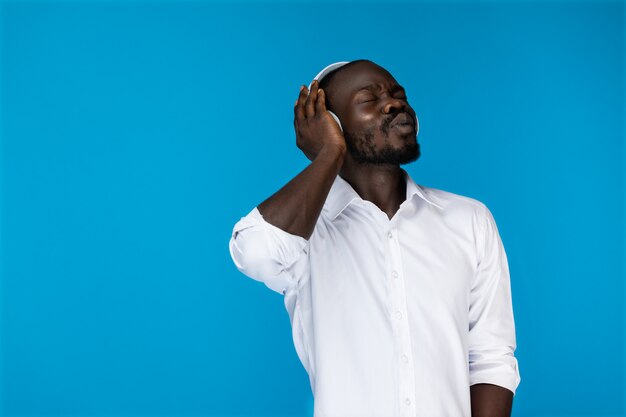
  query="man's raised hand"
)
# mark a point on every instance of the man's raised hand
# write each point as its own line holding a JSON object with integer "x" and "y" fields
{"x": 315, "y": 127}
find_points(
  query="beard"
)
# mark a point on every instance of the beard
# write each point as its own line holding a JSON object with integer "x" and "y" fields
{"x": 363, "y": 149}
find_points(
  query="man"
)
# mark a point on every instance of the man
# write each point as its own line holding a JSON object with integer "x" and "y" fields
{"x": 398, "y": 294}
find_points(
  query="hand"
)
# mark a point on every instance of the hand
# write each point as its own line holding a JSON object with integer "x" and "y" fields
{"x": 314, "y": 125}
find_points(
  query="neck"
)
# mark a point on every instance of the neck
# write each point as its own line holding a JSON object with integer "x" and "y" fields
{"x": 383, "y": 185}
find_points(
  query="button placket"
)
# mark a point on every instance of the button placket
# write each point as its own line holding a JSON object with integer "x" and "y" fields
{"x": 406, "y": 383}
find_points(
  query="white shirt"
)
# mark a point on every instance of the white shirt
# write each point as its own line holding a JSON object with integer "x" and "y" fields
{"x": 391, "y": 317}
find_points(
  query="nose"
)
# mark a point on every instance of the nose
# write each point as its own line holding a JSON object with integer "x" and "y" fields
{"x": 395, "y": 105}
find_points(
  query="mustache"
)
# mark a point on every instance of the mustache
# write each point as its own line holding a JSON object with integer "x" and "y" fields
{"x": 387, "y": 122}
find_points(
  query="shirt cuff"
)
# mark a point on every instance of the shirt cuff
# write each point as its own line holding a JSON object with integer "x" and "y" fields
{"x": 501, "y": 372}
{"x": 267, "y": 253}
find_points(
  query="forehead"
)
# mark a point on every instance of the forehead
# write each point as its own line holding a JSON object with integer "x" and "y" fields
{"x": 362, "y": 75}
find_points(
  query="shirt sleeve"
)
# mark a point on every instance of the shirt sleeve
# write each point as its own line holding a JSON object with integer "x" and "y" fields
{"x": 491, "y": 326}
{"x": 267, "y": 253}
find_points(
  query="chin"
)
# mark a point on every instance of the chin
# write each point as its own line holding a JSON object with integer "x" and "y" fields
{"x": 402, "y": 141}
{"x": 412, "y": 154}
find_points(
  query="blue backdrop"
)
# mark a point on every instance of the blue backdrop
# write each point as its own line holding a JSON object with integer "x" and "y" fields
{"x": 135, "y": 134}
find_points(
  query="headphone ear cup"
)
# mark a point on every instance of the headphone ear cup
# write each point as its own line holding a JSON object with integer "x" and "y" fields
{"x": 417, "y": 125}
{"x": 337, "y": 119}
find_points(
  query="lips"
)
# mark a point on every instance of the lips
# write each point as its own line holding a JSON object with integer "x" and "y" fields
{"x": 402, "y": 119}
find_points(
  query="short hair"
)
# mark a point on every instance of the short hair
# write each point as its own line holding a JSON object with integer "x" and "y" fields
{"x": 328, "y": 78}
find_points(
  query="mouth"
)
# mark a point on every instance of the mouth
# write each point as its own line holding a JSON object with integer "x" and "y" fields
{"x": 402, "y": 120}
{"x": 404, "y": 127}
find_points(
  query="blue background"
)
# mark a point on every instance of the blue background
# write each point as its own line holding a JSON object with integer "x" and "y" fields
{"x": 135, "y": 134}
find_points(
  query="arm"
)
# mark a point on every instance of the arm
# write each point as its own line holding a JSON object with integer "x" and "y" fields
{"x": 268, "y": 244}
{"x": 296, "y": 206}
{"x": 490, "y": 400}
{"x": 494, "y": 374}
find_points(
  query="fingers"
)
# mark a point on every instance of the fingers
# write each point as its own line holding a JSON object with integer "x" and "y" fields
{"x": 298, "y": 109}
{"x": 309, "y": 103}
{"x": 320, "y": 104}
{"x": 311, "y": 99}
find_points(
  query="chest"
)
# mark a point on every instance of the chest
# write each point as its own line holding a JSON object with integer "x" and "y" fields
{"x": 362, "y": 258}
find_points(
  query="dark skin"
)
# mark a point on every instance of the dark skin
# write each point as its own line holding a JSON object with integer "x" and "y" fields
{"x": 367, "y": 98}
{"x": 367, "y": 154}
{"x": 490, "y": 400}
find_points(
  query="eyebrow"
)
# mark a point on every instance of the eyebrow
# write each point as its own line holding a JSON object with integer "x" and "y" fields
{"x": 370, "y": 87}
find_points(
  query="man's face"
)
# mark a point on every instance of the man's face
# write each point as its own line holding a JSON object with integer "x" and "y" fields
{"x": 367, "y": 99}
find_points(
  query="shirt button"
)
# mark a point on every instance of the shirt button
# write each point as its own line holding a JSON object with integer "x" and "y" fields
{"x": 405, "y": 358}
{"x": 398, "y": 315}
{"x": 394, "y": 274}
{"x": 390, "y": 235}
{"x": 407, "y": 401}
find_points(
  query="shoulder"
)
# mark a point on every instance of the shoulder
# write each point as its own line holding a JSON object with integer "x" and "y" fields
{"x": 452, "y": 201}
{"x": 463, "y": 213}
{"x": 459, "y": 210}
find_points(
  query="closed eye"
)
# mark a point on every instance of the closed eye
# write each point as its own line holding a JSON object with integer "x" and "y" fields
{"x": 367, "y": 100}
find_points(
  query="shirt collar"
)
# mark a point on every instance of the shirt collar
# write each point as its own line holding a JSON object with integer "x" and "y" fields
{"x": 341, "y": 195}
